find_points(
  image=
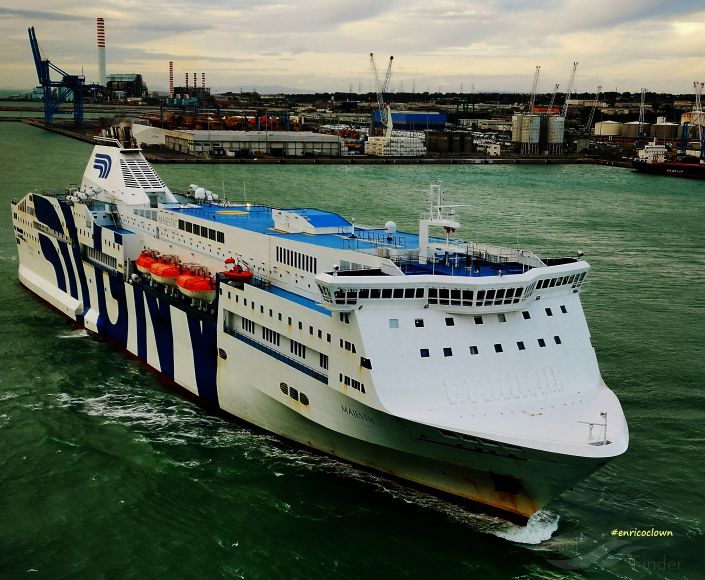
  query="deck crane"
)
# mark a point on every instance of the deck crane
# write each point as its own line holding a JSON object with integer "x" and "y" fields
{"x": 534, "y": 86}
{"x": 69, "y": 84}
{"x": 380, "y": 87}
{"x": 564, "y": 110}
{"x": 591, "y": 116}
{"x": 553, "y": 99}
{"x": 642, "y": 107}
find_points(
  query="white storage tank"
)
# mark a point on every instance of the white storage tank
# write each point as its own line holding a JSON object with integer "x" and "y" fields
{"x": 631, "y": 129}
{"x": 556, "y": 129}
{"x": 664, "y": 130}
{"x": 609, "y": 128}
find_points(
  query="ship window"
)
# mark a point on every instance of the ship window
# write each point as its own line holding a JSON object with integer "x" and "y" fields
{"x": 196, "y": 229}
{"x": 443, "y": 293}
{"x": 204, "y": 232}
{"x": 549, "y": 312}
{"x": 419, "y": 293}
{"x": 320, "y": 333}
{"x": 501, "y": 317}
{"x": 450, "y": 321}
{"x": 189, "y": 227}
{"x": 279, "y": 316}
{"x": 310, "y": 330}
{"x": 386, "y": 293}
{"x": 520, "y": 345}
{"x": 409, "y": 293}
{"x": 526, "y": 314}
{"x": 284, "y": 388}
{"x": 293, "y": 393}
{"x": 564, "y": 310}
{"x": 301, "y": 325}
{"x": 270, "y": 312}
{"x": 418, "y": 323}
{"x": 288, "y": 320}
{"x": 447, "y": 351}
{"x": 424, "y": 353}
{"x": 498, "y": 347}
{"x": 480, "y": 295}
{"x": 304, "y": 399}
{"x": 557, "y": 339}
{"x": 365, "y": 363}
{"x": 432, "y": 292}
{"x": 542, "y": 342}
{"x": 374, "y": 293}
{"x": 477, "y": 319}
{"x": 261, "y": 309}
{"x": 473, "y": 350}
{"x": 399, "y": 293}
{"x": 221, "y": 237}
{"x": 328, "y": 336}
{"x": 364, "y": 293}
{"x": 244, "y": 301}
{"x": 393, "y": 323}
{"x": 323, "y": 361}
{"x": 489, "y": 295}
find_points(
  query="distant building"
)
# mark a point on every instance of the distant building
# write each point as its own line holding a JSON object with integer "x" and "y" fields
{"x": 122, "y": 86}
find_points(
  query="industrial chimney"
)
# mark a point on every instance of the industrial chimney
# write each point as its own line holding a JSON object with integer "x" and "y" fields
{"x": 101, "y": 50}
{"x": 171, "y": 78}
{"x": 203, "y": 80}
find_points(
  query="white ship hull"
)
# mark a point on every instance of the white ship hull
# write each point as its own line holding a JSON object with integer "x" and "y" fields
{"x": 427, "y": 424}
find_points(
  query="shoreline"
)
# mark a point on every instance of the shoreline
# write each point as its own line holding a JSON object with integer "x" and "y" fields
{"x": 166, "y": 156}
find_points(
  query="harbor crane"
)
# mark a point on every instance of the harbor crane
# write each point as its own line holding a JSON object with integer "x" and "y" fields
{"x": 67, "y": 86}
{"x": 591, "y": 116}
{"x": 564, "y": 110}
{"x": 698, "y": 116}
{"x": 534, "y": 86}
{"x": 553, "y": 99}
{"x": 380, "y": 87}
{"x": 642, "y": 108}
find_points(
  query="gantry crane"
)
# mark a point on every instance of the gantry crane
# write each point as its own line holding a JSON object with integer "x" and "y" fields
{"x": 642, "y": 108}
{"x": 69, "y": 84}
{"x": 381, "y": 88}
{"x": 698, "y": 116}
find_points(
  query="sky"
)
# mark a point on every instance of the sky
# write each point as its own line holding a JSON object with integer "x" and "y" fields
{"x": 324, "y": 45}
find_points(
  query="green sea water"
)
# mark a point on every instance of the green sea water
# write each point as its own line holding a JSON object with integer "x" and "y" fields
{"x": 107, "y": 473}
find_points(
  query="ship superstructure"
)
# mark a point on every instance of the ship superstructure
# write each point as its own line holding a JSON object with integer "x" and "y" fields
{"x": 463, "y": 367}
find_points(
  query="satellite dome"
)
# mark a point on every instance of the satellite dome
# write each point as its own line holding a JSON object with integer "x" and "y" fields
{"x": 391, "y": 227}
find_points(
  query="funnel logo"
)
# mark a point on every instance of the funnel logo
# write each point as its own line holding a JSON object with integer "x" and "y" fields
{"x": 102, "y": 163}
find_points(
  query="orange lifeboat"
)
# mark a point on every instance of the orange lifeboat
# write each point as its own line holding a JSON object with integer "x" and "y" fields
{"x": 238, "y": 273}
{"x": 166, "y": 270}
{"x": 198, "y": 284}
{"x": 145, "y": 260}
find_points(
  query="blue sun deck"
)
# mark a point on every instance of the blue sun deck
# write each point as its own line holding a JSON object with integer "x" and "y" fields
{"x": 259, "y": 219}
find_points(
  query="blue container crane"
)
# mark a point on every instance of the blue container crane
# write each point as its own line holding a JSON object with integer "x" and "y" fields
{"x": 68, "y": 85}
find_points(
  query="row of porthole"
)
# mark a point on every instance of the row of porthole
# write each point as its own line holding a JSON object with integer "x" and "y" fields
{"x": 448, "y": 351}
{"x": 450, "y": 321}
{"x": 294, "y": 393}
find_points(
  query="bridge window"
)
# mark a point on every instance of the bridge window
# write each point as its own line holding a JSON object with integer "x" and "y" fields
{"x": 393, "y": 323}
{"x": 557, "y": 339}
{"x": 450, "y": 321}
{"x": 474, "y": 350}
{"x": 447, "y": 351}
{"x": 424, "y": 353}
{"x": 498, "y": 347}
{"x": 520, "y": 345}
{"x": 418, "y": 323}
{"x": 542, "y": 342}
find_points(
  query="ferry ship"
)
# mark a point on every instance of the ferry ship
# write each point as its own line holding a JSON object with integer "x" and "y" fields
{"x": 653, "y": 158}
{"x": 464, "y": 368}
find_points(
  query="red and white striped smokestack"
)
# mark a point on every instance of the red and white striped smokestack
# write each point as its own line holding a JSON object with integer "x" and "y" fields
{"x": 194, "y": 81}
{"x": 171, "y": 78}
{"x": 203, "y": 80}
{"x": 186, "y": 75}
{"x": 100, "y": 29}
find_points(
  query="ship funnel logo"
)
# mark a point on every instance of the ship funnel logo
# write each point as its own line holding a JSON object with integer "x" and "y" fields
{"x": 102, "y": 163}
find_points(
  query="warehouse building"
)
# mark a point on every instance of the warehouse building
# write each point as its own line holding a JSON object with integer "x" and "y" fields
{"x": 253, "y": 143}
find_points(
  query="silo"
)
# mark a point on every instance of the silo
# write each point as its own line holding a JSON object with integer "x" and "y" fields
{"x": 664, "y": 130}
{"x": 516, "y": 131}
{"x": 468, "y": 143}
{"x": 530, "y": 134}
{"x": 608, "y": 128}
{"x": 555, "y": 134}
{"x": 456, "y": 143}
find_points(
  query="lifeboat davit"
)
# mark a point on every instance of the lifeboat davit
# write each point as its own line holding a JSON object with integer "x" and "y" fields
{"x": 238, "y": 273}
{"x": 198, "y": 284}
{"x": 145, "y": 260}
{"x": 166, "y": 270}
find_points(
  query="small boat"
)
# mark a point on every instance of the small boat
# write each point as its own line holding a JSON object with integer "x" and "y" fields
{"x": 237, "y": 273}
{"x": 166, "y": 270}
{"x": 197, "y": 283}
{"x": 145, "y": 260}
